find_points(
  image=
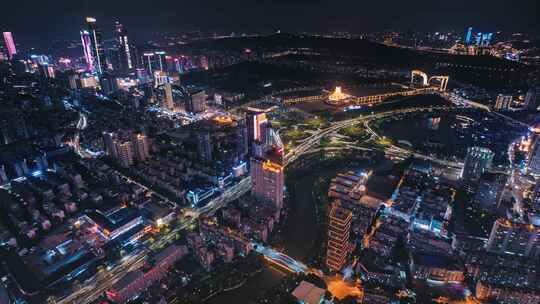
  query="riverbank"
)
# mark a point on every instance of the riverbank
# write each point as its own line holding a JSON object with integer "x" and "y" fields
{"x": 233, "y": 287}
{"x": 304, "y": 232}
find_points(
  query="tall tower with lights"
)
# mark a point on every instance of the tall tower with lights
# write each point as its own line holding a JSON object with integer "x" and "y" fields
{"x": 339, "y": 230}
{"x": 86, "y": 40}
{"x": 122, "y": 40}
{"x": 266, "y": 165}
{"x": 10, "y": 44}
{"x": 97, "y": 50}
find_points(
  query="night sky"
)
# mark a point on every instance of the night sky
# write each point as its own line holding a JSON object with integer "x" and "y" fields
{"x": 37, "y": 22}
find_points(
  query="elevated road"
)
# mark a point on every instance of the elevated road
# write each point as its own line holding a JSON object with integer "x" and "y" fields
{"x": 312, "y": 141}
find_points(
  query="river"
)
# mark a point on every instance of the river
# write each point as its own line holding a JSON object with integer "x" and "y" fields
{"x": 299, "y": 234}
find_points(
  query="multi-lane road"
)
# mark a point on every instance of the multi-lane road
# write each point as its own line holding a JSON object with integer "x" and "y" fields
{"x": 104, "y": 280}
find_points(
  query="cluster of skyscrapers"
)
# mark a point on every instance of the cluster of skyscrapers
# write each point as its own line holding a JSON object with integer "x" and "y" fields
{"x": 126, "y": 151}
{"x": 94, "y": 50}
{"x": 478, "y": 38}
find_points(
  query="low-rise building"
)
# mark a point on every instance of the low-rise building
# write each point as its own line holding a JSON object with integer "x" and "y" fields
{"x": 436, "y": 268}
{"x": 506, "y": 294}
{"x": 135, "y": 282}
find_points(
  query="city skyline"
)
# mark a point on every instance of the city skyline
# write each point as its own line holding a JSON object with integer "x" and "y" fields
{"x": 244, "y": 16}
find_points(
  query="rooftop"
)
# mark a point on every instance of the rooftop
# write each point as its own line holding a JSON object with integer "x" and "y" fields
{"x": 438, "y": 261}
{"x": 308, "y": 293}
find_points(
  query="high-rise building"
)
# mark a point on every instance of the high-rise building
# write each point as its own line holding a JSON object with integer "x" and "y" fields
{"x": 469, "y": 35}
{"x": 47, "y": 71}
{"x": 242, "y": 139}
{"x": 478, "y": 39}
{"x": 160, "y": 58}
{"x": 204, "y": 146}
{"x": 257, "y": 124}
{"x": 109, "y": 141}
{"x": 124, "y": 150}
{"x": 477, "y": 161}
{"x": 125, "y": 153}
{"x": 113, "y": 59}
{"x": 503, "y": 102}
{"x": 108, "y": 83}
{"x": 168, "y": 101}
{"x": 533, "y": 158}
{"x": 533, "y": 211}
{"x": 490, "y": 190}
{"x": 196, "y": 102}
{"x": 267, "y": 180}
{"x": 532, "y": 98}
{"x": 266, "y": 165}
{"x": 339, "y": 229}
{"x": 141, "y": 147}
{"x": 124, "y": 48}
{"x": 10, "y": 44}
{"x": 86, "y": 40}
{"x": 535, "y": 199}
{"x": 149, "y": 57}
{"x": 514, "y": 238}
{"x": 161, "y": 78}
{"x": 97, "y": 49}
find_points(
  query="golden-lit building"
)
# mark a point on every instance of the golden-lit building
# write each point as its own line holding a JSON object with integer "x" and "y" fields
{"x": 338, "y": 95}
{"x": 267, "y": 181}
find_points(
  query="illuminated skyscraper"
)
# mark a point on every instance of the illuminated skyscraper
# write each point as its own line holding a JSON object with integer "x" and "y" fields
{"x": 168, "y": 101}
{"x": 160, "y": 55}
{"x": 477, "y": 161}
{"x": 503, "y": 102}
{"x": 267, "y": 180}
{"x": 141, "y": 148}
{"x": 160, "y": 78}
{"x": 242, "y": 139}
{"x": 196, "y": 102}
{"x": 257, "y": 124}
{"x": 535, "y": 200}
{"x": 46, "y": 71}
{"x": 109, "y": 141}
{"x": 469, "y": 35}
{"x": 97, "y": 50}
{"x": 339, "y": 230}
{"x": 125, "y": 153}
{"x": 126, "y": 63}
{"x": 87, "y": 50}
{"x": 266, "y": 168}
{"x": 533, "y": 163}
{"x": 149, "y": 57}
{"x": 478, "y": 39}
{"x": 10, "y": 44}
